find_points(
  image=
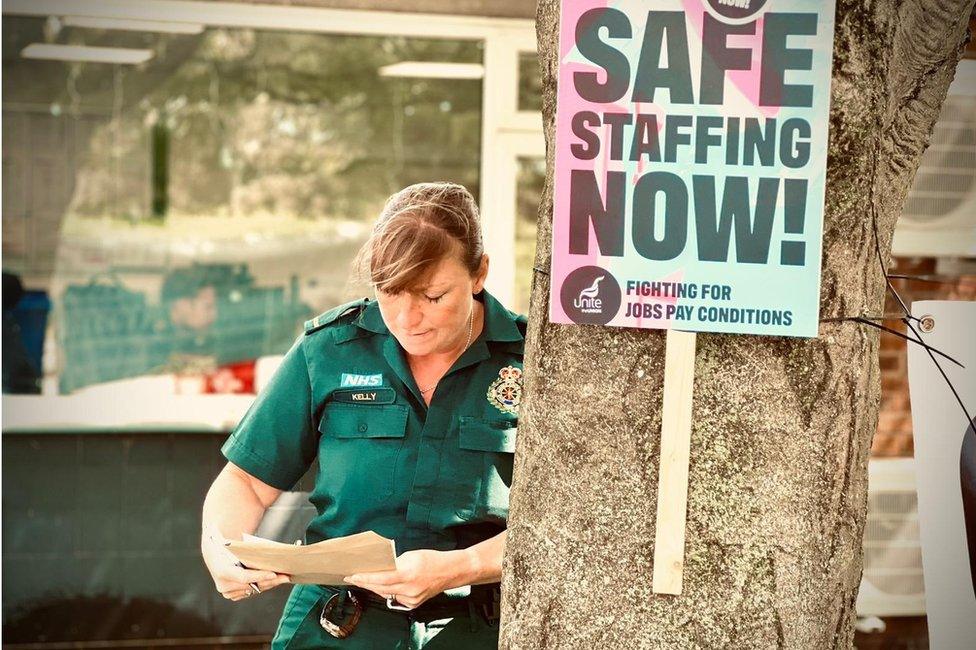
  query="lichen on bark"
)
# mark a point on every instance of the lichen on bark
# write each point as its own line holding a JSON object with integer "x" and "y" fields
{"x": 781, "y": 427}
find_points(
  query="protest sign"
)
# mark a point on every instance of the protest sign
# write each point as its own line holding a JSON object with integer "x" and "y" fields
{"x": 691, "y": 145}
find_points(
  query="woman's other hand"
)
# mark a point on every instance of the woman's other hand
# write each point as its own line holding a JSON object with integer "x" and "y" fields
{"x": 419, "y": 576}
{"x": 237, "y": 501}
{"x": 231, "y": 579}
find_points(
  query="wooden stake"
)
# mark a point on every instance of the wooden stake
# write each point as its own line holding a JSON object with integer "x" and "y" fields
{"x": 672, "y": 486}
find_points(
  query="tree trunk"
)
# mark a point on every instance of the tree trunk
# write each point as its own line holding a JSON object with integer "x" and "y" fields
{"x": 782, "y": 427}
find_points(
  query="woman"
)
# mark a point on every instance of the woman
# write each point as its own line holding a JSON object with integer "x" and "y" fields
{"x": 424, "y": 456}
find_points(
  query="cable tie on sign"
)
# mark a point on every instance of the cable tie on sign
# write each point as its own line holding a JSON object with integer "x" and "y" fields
{"x": 538, "y": 270}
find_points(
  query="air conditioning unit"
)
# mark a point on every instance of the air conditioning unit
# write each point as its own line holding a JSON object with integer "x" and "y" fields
{"x": 892, "y": 583}
{"x": 939, "y": 218}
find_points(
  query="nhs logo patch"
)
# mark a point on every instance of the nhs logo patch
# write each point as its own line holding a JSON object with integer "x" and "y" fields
{"x": 359, "y": 381}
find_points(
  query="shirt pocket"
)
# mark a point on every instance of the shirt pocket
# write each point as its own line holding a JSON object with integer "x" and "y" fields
{"x": 359, "y": 448}
{"x": 486, "y": 449}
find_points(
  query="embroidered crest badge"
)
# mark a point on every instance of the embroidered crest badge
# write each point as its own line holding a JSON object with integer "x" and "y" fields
{"x": 505, "y": 393}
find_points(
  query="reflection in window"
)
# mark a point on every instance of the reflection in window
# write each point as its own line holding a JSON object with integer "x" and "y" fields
{"x": 186, "y": 214}
{"x": 529, "y": 82}
{"x": 531, "y": 180}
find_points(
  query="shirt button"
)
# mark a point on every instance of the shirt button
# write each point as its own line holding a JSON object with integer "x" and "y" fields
{"x": 363, "y": 427}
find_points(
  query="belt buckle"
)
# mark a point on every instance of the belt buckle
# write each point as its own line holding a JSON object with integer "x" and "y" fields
{"x": 340, "y": 630}
{"x": 391, "y": 603}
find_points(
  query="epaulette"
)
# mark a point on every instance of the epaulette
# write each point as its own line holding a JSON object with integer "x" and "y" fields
{"x": 522, "y": 322}
{"x": 517, "y": 347}
{"x": 334, "y": 314}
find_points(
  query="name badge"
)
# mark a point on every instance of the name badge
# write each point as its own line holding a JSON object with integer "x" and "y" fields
{"x": 365, "y": 396}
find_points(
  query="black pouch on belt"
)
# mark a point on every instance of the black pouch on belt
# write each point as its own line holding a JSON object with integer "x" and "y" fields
{"x": 336, "y": 617}
{"x": 490, "y": 604}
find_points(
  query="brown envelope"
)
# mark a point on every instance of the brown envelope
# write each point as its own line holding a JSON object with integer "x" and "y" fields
{"x": 322, "y": 563}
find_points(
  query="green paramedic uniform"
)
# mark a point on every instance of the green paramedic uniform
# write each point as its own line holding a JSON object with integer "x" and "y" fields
{"x": 434, "y": 477}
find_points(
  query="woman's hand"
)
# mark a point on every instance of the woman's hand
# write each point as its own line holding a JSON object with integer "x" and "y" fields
{"x": 419, "y": 576}
{"x": 231, "y": 579}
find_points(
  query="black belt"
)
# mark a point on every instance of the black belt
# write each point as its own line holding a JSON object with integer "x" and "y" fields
{"x": 426, "y": 612}
{"x": 484, "y": 600}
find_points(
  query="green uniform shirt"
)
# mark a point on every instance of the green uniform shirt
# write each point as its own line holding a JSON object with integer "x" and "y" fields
{"x": 433, "y": 477}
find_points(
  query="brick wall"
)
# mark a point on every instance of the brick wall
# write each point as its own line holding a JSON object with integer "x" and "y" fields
{"x": 894, "y": 435}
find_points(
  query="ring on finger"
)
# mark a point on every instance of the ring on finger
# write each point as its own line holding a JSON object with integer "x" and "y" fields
{"x": 393, "y": 603}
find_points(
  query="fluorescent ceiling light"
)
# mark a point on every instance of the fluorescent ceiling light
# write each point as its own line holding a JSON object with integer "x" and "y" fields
{"x": 433, "y": 70}
{"x": 133, "y": 25}
{"x": 84, "y": 53}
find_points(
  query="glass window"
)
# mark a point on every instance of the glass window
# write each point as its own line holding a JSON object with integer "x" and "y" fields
{"x": 186, "y": 214}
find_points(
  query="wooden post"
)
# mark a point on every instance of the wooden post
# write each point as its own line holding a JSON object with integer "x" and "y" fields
{"x": 672, "y": 486}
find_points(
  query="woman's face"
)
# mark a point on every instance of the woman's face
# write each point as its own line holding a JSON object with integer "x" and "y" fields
{"x": 432, "y": 318}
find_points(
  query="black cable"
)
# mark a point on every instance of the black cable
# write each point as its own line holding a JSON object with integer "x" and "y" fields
{"x": 908, "y": 314}
{"x": 934, "y": 279}
{"x": 833, "y": 319}
{"x": 908, "y": 338}
{"x": 873, "y": 322}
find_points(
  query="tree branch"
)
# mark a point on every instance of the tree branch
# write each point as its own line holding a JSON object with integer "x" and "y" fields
{"x": 929, "y": 34}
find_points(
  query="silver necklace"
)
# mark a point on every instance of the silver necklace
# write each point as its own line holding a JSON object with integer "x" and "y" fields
{"x": 466, "y": 344}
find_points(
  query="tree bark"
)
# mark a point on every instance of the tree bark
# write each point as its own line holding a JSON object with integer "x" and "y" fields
{"x": 782, "y": 427}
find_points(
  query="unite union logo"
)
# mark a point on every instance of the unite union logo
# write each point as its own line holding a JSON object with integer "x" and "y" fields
{"x": 588, "y": 301}
{"x": 591, "y": 295}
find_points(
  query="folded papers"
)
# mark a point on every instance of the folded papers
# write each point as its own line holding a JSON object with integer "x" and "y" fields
{"x": 322, "y": 563}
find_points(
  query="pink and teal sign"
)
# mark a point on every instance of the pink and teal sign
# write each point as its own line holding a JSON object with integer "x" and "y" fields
{"x": 691, "y": 149}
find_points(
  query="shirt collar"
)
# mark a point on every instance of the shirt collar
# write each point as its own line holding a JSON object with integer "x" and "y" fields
{"x": 499, "y": 321}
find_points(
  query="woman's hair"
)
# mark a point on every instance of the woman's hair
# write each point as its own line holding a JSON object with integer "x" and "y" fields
{"x": 420, "y": 225}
